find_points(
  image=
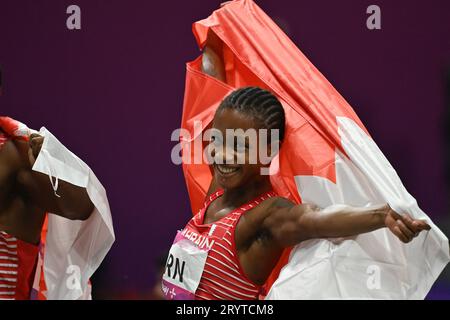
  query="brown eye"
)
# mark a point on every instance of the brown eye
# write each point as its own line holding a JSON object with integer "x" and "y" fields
{"x": 216, "y": 141}
{"x": 240, "y": 147}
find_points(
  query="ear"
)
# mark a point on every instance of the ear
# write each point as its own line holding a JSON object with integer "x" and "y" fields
{"x": 274, "y": 147}
{"x": 271, "y": 152}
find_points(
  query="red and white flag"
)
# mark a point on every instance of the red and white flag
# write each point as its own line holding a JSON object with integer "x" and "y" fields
{"x": 327, "y": 158}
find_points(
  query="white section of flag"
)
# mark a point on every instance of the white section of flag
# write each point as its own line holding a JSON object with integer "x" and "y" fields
{"x": 73, "y": 245}
{"x": 374, "y": 265}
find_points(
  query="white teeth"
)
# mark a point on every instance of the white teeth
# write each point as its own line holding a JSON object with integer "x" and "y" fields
{"x": 224, "y": 169}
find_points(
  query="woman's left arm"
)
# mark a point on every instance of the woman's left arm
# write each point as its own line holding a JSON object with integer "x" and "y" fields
{"x": 290, "y": 225}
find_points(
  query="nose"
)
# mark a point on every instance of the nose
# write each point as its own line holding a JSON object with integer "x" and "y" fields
{"x": 224, "y": 155}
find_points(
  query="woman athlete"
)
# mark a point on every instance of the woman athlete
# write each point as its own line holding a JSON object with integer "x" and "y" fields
{"x": 25, "y": 197}
{"x": 229, "y": 249}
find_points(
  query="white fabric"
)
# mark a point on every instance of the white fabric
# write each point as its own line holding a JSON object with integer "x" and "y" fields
{"x": 74, "y": 249}
{"x": 374, "y": 265}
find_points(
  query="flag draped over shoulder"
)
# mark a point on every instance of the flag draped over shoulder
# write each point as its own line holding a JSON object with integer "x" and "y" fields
{"x": 327, "y": 158}
{"x": 70, "y": 251}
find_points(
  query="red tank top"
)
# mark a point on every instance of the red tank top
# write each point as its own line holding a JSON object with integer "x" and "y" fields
{"x": 17, "y": 267}
{"x": 223, "y": 277}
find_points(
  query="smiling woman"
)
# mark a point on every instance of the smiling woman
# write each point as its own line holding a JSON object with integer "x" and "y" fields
{"x": 332, "y": 185}
{"x": 245, "y": 223}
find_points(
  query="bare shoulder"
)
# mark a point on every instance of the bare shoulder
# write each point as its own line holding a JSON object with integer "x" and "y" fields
{"x": 268, "y": 206}
{"x": 21, "y": 148}
{"x": 283, "y": 203}
{"x": 252, "y": 224}
{"x": 10, "y": 165}
{"x": 276, "y": 203}
{"x": 10, "y": 154}
{"x": 13, "y": 159}
{"x": 280, "y": 202}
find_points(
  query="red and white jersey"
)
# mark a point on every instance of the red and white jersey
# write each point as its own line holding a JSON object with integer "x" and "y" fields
{"x": 223, "y": 277}
{"x": 17, "y": 267}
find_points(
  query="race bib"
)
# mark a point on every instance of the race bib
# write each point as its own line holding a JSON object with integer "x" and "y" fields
{"x": 184, "y": 268}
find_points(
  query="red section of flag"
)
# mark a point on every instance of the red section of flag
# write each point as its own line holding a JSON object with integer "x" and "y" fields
{"x": 10, "y": 128}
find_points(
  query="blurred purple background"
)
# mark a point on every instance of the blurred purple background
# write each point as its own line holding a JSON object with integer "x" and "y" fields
{"x": 113, "y": 91}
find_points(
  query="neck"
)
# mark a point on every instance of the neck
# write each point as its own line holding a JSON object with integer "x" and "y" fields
{"x": 245, "y": 193}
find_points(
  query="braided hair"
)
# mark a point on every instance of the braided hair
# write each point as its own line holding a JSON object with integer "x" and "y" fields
{"x": 260, "y": 103}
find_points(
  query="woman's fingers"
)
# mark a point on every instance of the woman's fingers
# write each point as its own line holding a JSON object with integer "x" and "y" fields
{"x": 36, "y": 142}
{"x": 396, "y": 230}
{"x": 414, "y": 225}
{"x": 409, "y": 222}
{"x": 422, "y": 225}
{"x": 408, "y": 233}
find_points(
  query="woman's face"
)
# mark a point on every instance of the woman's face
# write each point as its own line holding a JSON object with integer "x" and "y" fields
{"x": 235, "y": 144}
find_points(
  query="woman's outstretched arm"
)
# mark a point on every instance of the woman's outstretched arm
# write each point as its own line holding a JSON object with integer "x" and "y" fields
{"x": 292, "y": 224}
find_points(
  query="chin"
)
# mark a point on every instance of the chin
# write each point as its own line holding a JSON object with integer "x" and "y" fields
{"x": 228, "y": 177}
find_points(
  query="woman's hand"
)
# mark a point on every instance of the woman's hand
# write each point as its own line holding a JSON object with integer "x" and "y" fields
{"x": 403, "y": 226}
{"x": 36, "y": 142}
{"x": 212, "y": 58}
